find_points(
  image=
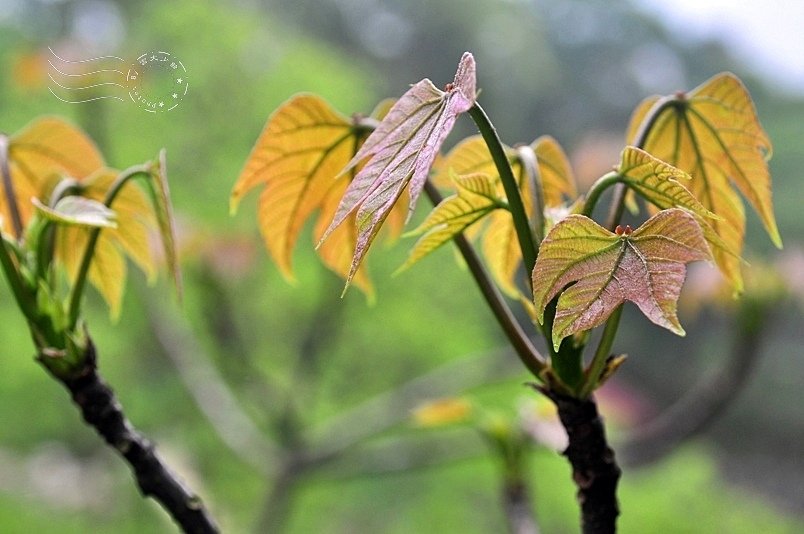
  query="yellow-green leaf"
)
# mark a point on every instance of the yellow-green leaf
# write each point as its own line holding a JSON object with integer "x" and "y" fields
{"x": 476, "y": 197}
{"x": 500, "y": 245}
{"x": 713, "y": 133}
{"x": 646, "y": 266}
{"x": 659, "y": 182}
{"x": 163, "y": 208}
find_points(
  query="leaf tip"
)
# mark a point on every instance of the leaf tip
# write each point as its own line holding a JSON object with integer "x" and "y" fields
{"x": 234, "y": 203}
{"x": 776, "y": 238}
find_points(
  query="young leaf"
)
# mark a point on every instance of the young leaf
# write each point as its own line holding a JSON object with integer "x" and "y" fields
{"x": 40, "y": 154}
{"x": 659, "y": 182}
{"x": 135, "y": 220}
{"x": 401, "y": 151}
{"x": 713, "y": 133}
{"x": 475, "y": 199}
{"x": 163, "y": 208}
{"x": 555, "y": 172}
{"x": 472, "y": 156}
{"x": 646, "y": 266}
{"x": 500, "y": 246}
{"x": 298, "y": 156}
{"x": 78, "y": 211}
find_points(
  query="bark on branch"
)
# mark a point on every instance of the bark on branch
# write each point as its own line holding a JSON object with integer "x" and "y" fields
{"x": 101, "y": 410}
{"x": 594, "y": 468}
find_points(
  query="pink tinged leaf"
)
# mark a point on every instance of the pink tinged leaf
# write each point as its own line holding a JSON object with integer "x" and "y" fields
{"x": 646, "y": 266}
{"x": 401, "y": 151}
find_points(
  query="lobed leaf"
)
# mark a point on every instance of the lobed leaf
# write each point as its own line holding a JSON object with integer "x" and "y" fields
{"x": 400, "y": 152}
{"x": 646, "y": 266}
{"x": 472, "y": 156}
{"x": 40, "y": 155}
{"x": 49, "y": 150}
{"x": 298, "y": 157}
{"x": 476, "y": 198}
{"x": 500, "y": 245}
{"x": 713, "y": 133}
{"x": 658, "y": 182}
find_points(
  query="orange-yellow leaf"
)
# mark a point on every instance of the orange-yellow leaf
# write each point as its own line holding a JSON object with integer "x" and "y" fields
{"x": 297, "y": 158}
{"x": 558, "y": 182}
{"x": 301, "y": 150}
{"x": 713, "y": 133}
{"x": 646, "y": 266}
{"x": 107, "y": 272}
{"x": 135, "y": 220}
{"x": 40, "y": 155}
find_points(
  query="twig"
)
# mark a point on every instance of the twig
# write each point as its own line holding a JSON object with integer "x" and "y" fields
{"x": 403, "y": 455}
{"x": 389, "y": 409}
{"x": 101, "y": 410}
{"x": 517, "y": 507}
{"x": 210, "y": 392}
{"x": 527, "y": 353}
{"x": 278, "y": 502}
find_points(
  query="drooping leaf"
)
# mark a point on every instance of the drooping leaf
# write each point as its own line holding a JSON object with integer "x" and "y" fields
{"x": 646, "y": 266}
{"x": 298, "y": 157}
{"x": 78, "y": 211}
{"x": 400, "y": 152}
{"x": 163, "y": 208}
{"x": 500, "y": 245}
{"x": 40, "y": 155}
{"x": 476, "y": 198}
{"x": 713, "y": 133}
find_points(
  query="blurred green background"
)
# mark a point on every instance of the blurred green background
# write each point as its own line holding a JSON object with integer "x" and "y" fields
{"x": 249, "y": 366}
